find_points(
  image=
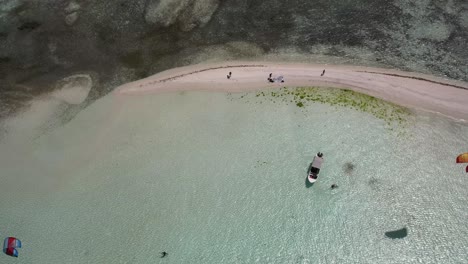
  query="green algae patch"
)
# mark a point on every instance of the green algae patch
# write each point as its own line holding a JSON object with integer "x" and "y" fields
{"x": 391, "y": 113}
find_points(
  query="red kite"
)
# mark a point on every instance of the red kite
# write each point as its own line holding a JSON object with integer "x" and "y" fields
{"x": 463, "y": 158}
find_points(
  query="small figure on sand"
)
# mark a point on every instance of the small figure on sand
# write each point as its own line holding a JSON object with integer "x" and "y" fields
{"x": 277, "y": 79}
{"x": 164, "y": 254}
{"x": 229, "y": 75}
{"x": 323, "y": 73}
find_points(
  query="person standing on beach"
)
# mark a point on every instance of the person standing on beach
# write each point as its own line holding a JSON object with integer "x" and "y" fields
{"x": 323, "y": 73}
{"x": 229, "y": 75}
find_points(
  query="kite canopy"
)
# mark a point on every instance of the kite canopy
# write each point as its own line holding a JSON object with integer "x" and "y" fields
{"x": 9, "y": 246}
{"x": 466, "y": 169}
{"x": 462, "y": 158}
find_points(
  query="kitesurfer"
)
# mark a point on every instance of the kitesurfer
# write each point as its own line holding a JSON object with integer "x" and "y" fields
{"x": 164, "y": 254}
{"x": 323, "y": 73}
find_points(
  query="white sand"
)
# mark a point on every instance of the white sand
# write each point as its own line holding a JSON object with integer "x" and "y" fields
{"x": 441, "y": 97}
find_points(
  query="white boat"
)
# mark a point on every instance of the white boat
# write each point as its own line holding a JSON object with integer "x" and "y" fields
{"x": 312, "y": 176}
{"x": 314, "y": 168}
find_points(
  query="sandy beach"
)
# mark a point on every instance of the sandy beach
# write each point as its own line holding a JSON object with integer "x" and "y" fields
{"x": 412, "y": 90}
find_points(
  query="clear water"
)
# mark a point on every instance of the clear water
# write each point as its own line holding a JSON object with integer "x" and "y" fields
{"x": 212, "y": 179}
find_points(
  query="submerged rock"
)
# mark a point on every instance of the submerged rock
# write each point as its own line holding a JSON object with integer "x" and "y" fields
{"x": 71, "y": 18}
{"x": 164, "y": 13}
{"x": 188, "y": 14}
{"x": 72, "y": 13}
{"x": 73, "y": 89}
{"x": 198, "y": 14}
{"x": 8, "y": 5}
{"x": 72, "y": 7}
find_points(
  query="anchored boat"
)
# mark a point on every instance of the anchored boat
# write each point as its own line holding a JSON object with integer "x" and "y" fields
{"x": 314, "y": 168}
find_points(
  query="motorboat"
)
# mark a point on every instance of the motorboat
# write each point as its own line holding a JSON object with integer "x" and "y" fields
{"x": 314, "y": 168}
{"x": 312, "y": 174}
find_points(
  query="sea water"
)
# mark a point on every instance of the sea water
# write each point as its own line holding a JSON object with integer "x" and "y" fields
{"x": 221, "y": 178}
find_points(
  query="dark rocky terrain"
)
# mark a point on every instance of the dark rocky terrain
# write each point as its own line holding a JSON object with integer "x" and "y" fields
{"x": 118, "y": 41}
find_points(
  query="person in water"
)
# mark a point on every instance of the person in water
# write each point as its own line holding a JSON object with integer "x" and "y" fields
{"x": 334, "y": 186}
{"x": 323, "y": 73}
{"x": 164, "y": 254}
{"x": 229, "y": 75}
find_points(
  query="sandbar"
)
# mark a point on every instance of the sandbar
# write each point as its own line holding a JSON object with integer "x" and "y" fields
{"x": 413, "y": 90}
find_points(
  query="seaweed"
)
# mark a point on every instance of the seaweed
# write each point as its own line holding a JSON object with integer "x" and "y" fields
{"x": 391, "y": 113}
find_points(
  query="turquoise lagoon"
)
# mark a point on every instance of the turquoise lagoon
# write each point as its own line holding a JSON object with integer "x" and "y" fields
{"x": 220, "y": 178}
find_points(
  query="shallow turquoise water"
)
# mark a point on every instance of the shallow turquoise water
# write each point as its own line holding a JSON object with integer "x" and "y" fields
{"x": 214, "y": 179}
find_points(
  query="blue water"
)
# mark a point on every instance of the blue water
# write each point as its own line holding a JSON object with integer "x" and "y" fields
{"x": 212, "y": 178}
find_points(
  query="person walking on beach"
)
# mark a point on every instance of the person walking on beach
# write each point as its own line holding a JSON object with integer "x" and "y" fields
{"x": 323, "y": 73}
{"x": 229, "y": 75}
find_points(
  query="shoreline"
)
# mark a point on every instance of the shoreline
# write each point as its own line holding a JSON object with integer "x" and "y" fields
{"x": 412, "y": 90}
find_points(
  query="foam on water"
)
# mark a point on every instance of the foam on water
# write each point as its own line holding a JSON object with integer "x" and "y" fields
{"x": 212, "y": 179}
